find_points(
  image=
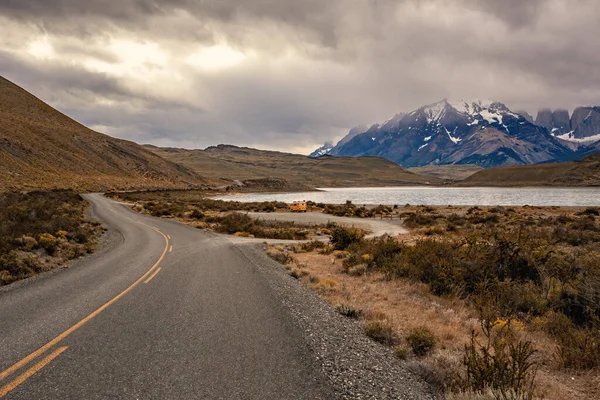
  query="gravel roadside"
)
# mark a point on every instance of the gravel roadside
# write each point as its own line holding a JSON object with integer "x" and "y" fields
{"x": 356, "y": 366}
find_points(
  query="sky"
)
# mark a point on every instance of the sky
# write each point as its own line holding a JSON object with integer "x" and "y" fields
{"x": 292, "y": 74}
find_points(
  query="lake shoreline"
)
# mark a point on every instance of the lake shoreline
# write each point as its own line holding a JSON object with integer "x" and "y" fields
{"x": 434, "y": 196}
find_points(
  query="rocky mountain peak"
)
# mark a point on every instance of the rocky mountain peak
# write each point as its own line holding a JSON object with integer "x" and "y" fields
{"x": 585, "y": 123}
{"x": 322, "y": 151}
{"x": 526, "y": 115}
{"x": 476, "y": 107}
{"x": 393, "y": 122}
{"x": 556, "y": 122}
{"x": 357, "y": 130}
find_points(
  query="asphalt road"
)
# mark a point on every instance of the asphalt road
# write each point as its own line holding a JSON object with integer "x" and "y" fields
{"x": 164, "y": 311}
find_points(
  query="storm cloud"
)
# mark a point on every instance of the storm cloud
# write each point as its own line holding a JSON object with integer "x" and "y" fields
{"x": 290, "y": 75}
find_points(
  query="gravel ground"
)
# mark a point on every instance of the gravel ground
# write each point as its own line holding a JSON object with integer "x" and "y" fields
{"x": 356, "y": 366}
{"x": 377, "y": 227}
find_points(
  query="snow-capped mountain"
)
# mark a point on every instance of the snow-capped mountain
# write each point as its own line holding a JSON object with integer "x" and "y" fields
{"x": 357, "y": 130}
{"x": 322, "y": 151}
{"x": 479, "y": 132}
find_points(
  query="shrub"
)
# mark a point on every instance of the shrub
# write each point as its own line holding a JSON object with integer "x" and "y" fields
{"x": 326, "y": 231}
{"x": 237, "y": 222}
{"x": 348, "y": 311}
{"x": 401, "y": 352}
{"x": 577, "y": 348}
{"x": 502, "y": 363}
{"x": 380, "y": 331}
{"x": 357, "y": 270}
{"x": 312, "y": 245}
{"x": 243, "y": 234}
{"x": 282, "y": 257}
{"x": 297, "y": 273}
{"x": 47, "y": 242}
{"x": 414, "y": 220}
{"x": 421, "y": 341}
{"x": 197, "y": 214}
{"x": 27, "y": 243}
{"x": 456, "y": 219}
{"x": 342, "y": 238}
{"x": 328, "y": 249}
{"x": 326, "y": 285}
{"x": 591, "y": 211}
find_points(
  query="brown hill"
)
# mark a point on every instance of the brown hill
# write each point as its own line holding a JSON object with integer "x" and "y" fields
{"x": 43, "y": 148}
{"x": 230, "y": 163}
{"x": 576, "y": 173}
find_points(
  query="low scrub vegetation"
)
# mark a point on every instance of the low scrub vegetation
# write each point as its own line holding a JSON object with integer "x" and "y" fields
{"x": 519, "y": 270}
{"x": 178, "y": 203}
{"x": 351, "y": 210}
{"x": 221, "y": 216}
{"x": 243, "y": 225}
{"x": 528, "y": 274}
{"x": 380, "y": 330}
{"x": 40, "y": 230}
{"x": 421, "y": 341}
{"x": 342, "y": 238}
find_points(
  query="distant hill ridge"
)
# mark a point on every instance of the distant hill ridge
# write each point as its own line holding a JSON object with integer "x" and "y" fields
{"x": 585, "y": 172}
{"x": 227, "y": 164}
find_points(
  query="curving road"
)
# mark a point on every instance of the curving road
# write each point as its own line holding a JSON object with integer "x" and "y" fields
{"x": 164, "y": 311}
{"x": 184, "y": 316}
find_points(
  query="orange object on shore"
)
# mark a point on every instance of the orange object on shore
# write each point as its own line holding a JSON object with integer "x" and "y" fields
{"x": 298, "y": 206}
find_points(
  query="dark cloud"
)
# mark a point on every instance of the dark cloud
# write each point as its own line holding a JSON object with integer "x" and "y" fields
{"x": 125, "y": 9}
{"x": 312, "y": 69}
{"x": 517, "y": 13}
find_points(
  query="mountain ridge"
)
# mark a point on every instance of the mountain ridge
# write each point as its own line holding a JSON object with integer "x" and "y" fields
{"x": 486, "y": 133}
{"x": 551, "y": 137}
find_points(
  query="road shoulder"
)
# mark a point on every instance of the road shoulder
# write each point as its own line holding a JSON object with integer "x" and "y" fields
{"x": 356, "y": 366}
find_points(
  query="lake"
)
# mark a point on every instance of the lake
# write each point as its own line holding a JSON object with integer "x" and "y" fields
{"x": 418, "y": 195}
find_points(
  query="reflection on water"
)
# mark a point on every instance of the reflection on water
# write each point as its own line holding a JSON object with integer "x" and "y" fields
{"x": 482, "y": 196}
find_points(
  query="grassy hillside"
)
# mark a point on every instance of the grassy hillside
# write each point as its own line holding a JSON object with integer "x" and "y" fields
{"x": 577, "y": 173}
{"x": 43, "y": 148}
{"x": 230, "y": 163}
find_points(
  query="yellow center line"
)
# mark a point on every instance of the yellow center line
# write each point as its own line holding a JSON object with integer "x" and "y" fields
{"x": 171, "y": 249}
{"x": 78, "y": 325}
{"x": 153, "y": 275}
{"x": 31, "y": 371}
{"x": 169, "y": 236}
